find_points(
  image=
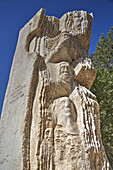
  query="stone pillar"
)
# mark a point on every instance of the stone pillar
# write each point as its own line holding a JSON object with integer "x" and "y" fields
{"x": 50, "y": 118}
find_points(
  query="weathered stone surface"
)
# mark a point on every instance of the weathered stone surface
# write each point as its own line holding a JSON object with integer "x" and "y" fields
{"x": 50, "y": 119}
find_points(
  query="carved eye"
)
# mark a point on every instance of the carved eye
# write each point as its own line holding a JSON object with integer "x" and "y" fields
{"x": 47, "y": 133}
{"x": 62, "y": 69}
{"x": 63, "y": 102}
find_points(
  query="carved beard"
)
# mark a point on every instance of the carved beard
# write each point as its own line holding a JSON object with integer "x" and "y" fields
{"x": 65, "y": 77}
{"x": 65, "y": 86}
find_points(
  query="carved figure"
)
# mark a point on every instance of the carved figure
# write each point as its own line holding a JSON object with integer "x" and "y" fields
{"x": 68, "y": 110}
{"x": 65, "y": 114}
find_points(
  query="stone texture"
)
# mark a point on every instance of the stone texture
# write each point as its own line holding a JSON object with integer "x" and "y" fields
{"x": 50, "y": 119}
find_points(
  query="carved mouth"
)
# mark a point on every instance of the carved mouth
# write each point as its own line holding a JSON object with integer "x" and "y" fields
{"x": 72, "y": 150}
{"x": 66, "y": 74}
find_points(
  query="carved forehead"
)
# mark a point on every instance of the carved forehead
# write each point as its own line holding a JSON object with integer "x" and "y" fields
{"x": 48, "y": 130}
{"x": 64, "y": 63}
{"x": 59, "y": 129}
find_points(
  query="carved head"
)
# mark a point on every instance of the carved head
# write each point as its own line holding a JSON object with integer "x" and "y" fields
{"x": 65, "y": 72}
{"x": 71, "y": 140}
{"x": 59, "y": 134}
{"x": 49, "y": 134}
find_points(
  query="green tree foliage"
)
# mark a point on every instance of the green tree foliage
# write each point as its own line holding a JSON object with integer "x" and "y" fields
{"x": 103, "y": 89}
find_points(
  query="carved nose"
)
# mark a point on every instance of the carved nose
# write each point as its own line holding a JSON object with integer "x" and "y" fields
{"x": 66, "y": 69}
{"x": 67, "y": 104}
{"x": 72, "y": 143}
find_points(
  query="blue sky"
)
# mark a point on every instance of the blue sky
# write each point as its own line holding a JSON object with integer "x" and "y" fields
{"x": 14, "y": 14}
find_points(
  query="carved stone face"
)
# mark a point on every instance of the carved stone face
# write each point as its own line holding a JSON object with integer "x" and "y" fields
{"x": 64, "y": 107}
{"x": 65, "y": 115}
{"x": 65, "y": 72}
{"x": 49, "y": 134}
{"x": 59, "y": 141}
{"x": 71, "y": 141}
{"x": 63, "y": 103}
{"x": 59, "y": 134}
{"x": 71, "y": 144}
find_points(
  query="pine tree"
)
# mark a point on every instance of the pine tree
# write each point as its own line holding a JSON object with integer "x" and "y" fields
{"x": 103, "y": 89}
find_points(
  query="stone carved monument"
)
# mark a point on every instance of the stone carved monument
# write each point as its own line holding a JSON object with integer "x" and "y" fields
{"x": 50, "y": 118}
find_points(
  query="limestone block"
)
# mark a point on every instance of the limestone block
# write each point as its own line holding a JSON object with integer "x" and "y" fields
{"x": 85, "y": 73}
